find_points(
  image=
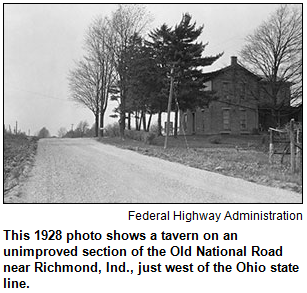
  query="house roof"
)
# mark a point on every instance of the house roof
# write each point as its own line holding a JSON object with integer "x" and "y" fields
{"x": 234, "y": 64}
{"x": 211, "y": 75}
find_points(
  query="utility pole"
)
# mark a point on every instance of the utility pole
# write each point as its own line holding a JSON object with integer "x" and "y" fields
{"x": 72, "y": 127}
{"x": 170, "y": 98}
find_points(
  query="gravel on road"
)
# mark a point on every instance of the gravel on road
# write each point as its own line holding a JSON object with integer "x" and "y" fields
{"x": 86, "y": 171}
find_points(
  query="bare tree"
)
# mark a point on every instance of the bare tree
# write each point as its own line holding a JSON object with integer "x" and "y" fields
{"x": 82, "y": 128}
{"x": 99, "y": 54}
{"x": 62, "y": 131}
{"x": 93, "y": 77}
{"x": 126, "y": 21}
{"x": 84, "y": 83}
{"x": 274, "y": 51}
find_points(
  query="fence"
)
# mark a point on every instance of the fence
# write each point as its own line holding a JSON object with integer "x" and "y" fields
{"x": 287, "y": 141}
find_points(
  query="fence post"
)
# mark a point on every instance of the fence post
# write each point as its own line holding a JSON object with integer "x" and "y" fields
{"x": 271, "y": 147}
{"x": 292, "y": 145}
{"x": 298, "y": 151}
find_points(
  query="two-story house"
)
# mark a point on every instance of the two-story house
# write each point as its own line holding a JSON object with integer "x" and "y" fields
{"x": 238, "y": 107}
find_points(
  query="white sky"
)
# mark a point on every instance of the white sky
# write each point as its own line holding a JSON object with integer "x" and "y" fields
{"x": 41, "y": 42}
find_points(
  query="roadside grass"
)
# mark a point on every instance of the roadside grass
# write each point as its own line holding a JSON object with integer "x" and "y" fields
{"x": 18, "y": 156}
{"x": 239, "y": 156}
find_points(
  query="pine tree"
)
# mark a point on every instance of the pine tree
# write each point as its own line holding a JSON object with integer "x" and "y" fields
{"x": 186, "y": 57}
{"x": 144, "y": 83}
{"x": 159, "y": 44}
{"x": 178, "y": 48}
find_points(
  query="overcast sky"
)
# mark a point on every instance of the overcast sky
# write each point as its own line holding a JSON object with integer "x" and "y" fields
{"x": 41, "y": 42}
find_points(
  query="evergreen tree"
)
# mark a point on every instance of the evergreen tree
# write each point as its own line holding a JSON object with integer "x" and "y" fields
{"x": 125, "y": 22}
{"x": 43, "y": 133}
{"x": 144, "y": 82}
{"x": 186, "y": 56}
{"x": 160, "y": 41}
{"x": 178, "y": 48}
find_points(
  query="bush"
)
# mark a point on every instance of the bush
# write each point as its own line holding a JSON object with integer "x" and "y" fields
{"x": 150, "y": 138}
{"x": 155, "y": 129}
{"x": 133, "y": 134}
{"x": 14, "y": 136}
{"x": 112, "y": 130}
{"x": 141, "y": 135}
{"x": 146, "y": 137}
{"x": 43, "y": 133}
{"x": 215, "y": 140}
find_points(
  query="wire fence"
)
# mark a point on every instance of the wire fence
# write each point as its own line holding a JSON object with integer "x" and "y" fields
{"x": 287, "y": 141}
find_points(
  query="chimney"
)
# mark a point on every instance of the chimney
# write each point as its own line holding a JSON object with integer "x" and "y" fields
{"x": 233, "y": 60}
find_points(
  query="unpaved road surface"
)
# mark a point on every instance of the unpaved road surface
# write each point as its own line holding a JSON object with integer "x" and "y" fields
{"x": 86, "y": 171}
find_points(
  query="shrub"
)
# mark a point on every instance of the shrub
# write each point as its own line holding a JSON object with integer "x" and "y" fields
{"x": 19, "y": 135}
{"x": 154, "y": 129}
{"x": 146, "y": 137}
{"x": 150, "y": 138}
{"x": 43, "y": 133}
{"x": 112, "y": 130}
{"x": 215, "y": 139}
{"x": 141, "y": 135}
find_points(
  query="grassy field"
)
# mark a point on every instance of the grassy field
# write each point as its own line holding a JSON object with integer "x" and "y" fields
{"x": 19, "y": 151}
{"x": 244, "y": 157}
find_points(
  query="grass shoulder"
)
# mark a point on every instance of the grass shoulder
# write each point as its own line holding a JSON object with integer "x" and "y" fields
{"x": 19, "y": 153}
{"x": 242, "y": 156}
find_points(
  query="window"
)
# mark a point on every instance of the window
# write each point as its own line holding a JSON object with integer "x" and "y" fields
{"x": 208, "y": 86}
{"x": 225, "y": 87}
{"x": 242, "y": 91}
{"x": 243, "y": 119}
{"x": 226, "y": 119}
{"x": 225, "y": 90}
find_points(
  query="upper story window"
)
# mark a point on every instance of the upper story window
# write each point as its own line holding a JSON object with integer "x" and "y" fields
{"x": 208, "y": 86}
{"x": 242, "y": 92}
{"x": 243, "y": 89}
{"x": 226, "y": 90}
{"x": 225, "y": 87}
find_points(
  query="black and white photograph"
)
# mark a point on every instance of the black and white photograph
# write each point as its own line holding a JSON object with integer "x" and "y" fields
{"x": 153, "y": 147}
{"x": 152, "y": 103}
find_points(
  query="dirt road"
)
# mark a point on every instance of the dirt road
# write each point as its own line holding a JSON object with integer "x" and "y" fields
{"x": 85, "y": 171}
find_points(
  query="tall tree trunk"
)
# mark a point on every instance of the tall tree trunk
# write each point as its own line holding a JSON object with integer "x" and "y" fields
{"x": 96, "y": 124}
{"x": 278, "y": 118}
{"x": 136, "y": 120}
{"x": 148, "y": 123}
{"x": 122, "y": 119}
{"x": 160, "y": 123}
{"x": 144, "y": 121}
{"x": 274, "y": 119}
{"x": 176, "y": 124}
{"x": 140, "y": 120}
{"x": 129, "y": 121}
{"x": 122, "y": 126}
{"x": 101, "y": 122}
